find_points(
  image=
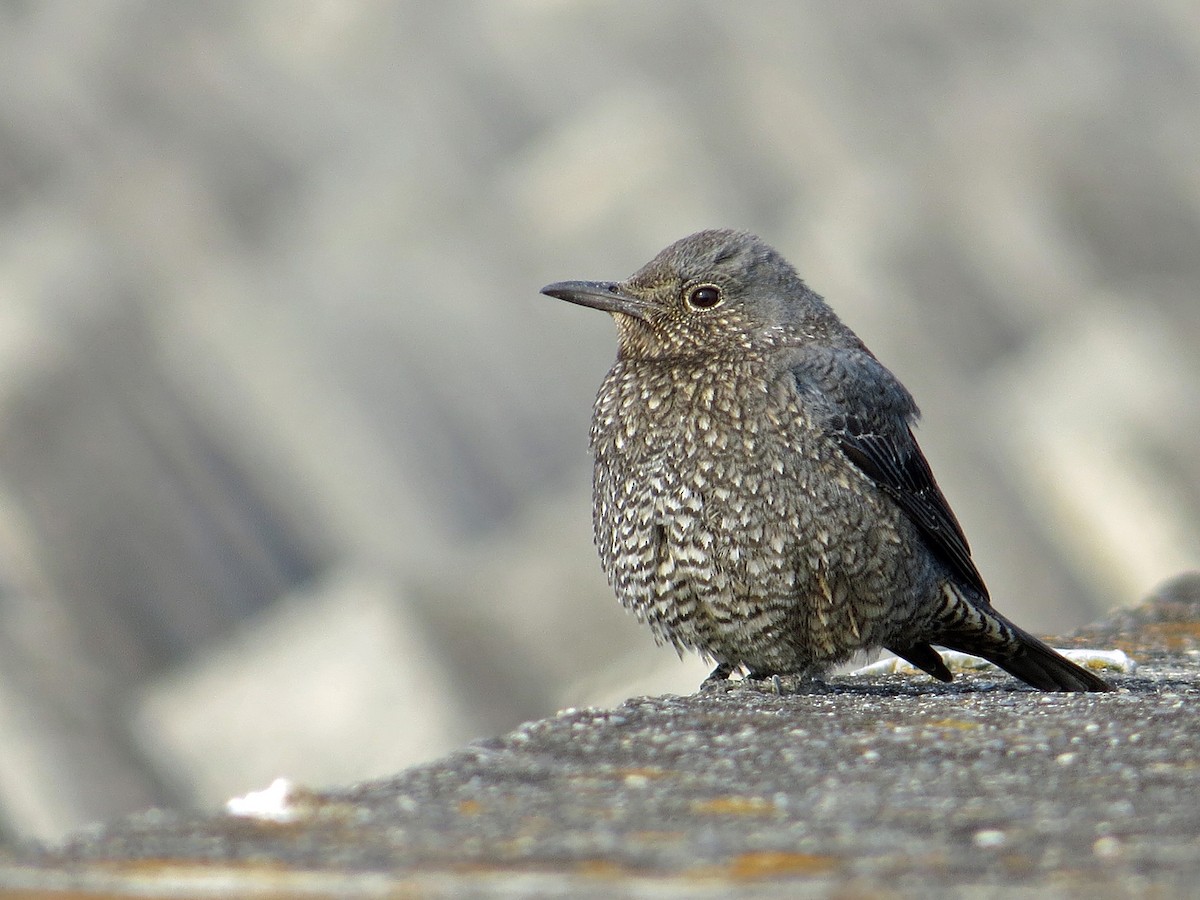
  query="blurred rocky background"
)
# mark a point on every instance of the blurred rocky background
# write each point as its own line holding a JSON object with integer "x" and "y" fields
{"x": 293, "y": 457}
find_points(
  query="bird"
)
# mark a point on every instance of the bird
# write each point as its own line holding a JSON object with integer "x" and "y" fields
{"x": 759, "y": 496}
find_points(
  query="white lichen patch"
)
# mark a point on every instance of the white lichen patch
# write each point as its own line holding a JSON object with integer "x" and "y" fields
{"x": 1096, "y": 660}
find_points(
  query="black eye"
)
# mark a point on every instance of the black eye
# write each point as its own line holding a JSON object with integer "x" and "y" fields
{"x": 704, "y": 296}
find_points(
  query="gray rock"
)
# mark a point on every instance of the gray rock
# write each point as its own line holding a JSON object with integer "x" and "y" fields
{"x": 861, "y": 784}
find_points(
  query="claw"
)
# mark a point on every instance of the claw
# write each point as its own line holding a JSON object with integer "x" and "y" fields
{"x": 717, "y": 675}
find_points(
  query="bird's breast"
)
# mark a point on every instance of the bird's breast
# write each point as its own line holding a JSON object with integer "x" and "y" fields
{"x": 729, "y": 522}
{"x": 695, "y": 476}
{"x": 681, "y": 411}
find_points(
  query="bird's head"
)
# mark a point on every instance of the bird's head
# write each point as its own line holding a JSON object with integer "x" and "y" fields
{"x": 713, "y": 291}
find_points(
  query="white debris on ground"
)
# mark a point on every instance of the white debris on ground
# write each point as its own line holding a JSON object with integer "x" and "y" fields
{"x": 276, "y": 803}
{"x": 1103, "y": 660}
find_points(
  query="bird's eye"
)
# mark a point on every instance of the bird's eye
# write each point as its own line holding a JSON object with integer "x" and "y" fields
{"x": 704, "y": 296}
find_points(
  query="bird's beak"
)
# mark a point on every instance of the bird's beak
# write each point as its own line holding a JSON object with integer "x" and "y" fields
{"x": 605, "y": 295}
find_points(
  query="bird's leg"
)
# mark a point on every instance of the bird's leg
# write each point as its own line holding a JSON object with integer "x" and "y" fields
{"x": 717, "y": 675}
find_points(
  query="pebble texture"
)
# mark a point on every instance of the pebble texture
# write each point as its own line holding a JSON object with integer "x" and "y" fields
{"x": 868, "y": 784}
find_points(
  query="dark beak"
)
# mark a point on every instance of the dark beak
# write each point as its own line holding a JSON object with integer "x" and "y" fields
{"x": 605, "y": 295}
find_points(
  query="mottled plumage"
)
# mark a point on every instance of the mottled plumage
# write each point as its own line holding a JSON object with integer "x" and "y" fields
{"x": 759, "y": 496}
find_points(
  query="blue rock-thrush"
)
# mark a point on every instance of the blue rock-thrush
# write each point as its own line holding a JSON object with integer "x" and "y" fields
{"x": 759, "y": 496}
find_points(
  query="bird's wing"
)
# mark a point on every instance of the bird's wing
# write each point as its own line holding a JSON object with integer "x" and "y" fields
{"x": 895, "y": 463}
{"x": 868, "y": 416}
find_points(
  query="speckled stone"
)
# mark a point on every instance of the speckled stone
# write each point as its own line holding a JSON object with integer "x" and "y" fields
{"x": 871, "y": 785}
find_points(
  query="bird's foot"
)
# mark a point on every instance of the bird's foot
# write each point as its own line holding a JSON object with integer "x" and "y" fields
{"x": 717, "y": 676}
{"x": 784, "y": 683}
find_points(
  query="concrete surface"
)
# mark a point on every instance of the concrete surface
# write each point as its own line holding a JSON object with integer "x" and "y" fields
{"x": 861, "y": 786}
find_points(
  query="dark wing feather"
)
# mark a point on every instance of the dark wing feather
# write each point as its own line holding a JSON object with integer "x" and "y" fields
{"x": 862, "y": 406}
{"x": 892, "y": 459}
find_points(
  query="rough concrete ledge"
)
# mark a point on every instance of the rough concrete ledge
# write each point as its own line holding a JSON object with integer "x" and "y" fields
{"x": 860, "y": 786}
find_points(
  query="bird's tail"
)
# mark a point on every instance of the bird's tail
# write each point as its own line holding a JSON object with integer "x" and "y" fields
{"x": 973, "y": 627}
{"x": 1039, "y": 665}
